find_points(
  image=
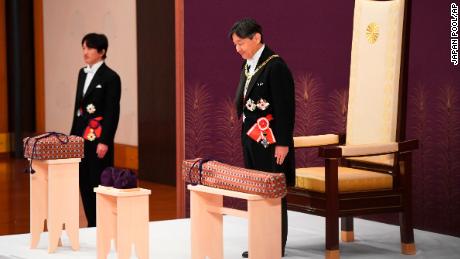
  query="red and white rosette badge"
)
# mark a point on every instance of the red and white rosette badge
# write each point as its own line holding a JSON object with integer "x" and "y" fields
{"x": 93, "y": 130}
{"x": 261, "y": 131}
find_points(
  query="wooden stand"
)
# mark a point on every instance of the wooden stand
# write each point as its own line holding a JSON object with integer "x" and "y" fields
{"x": 122, "y": 215}
{"x": 206, "y": 209}
{"x": 54, "y": 196}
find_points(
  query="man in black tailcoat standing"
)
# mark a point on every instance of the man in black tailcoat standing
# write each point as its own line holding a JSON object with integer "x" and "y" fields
{"x": 265, "y": 99}
{"x": 95, "y": 117}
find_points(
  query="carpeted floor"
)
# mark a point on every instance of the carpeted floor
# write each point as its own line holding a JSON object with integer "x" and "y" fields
{"x": 171, "y": 240}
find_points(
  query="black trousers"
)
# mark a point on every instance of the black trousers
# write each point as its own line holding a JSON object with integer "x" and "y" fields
{"x": 91, "y": 168}
{"x": 257, "y": 157}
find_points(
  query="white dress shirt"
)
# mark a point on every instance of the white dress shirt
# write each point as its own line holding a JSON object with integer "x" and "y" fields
{"x": 252, "y": 62}
{"x": 90, "y": 71}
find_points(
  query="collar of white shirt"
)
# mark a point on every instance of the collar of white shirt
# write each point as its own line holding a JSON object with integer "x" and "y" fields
{"x": 252, "y": 62}
{"x": 93, "y": 69}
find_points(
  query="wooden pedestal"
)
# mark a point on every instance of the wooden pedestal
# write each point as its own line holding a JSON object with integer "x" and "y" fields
{"x": 122, "y": 215}
{"x": 54, "y": 197}
{"x": 206, "y": 210}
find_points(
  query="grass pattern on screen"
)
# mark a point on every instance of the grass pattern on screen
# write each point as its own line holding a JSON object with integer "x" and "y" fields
{"x": 418, "y": 129}
{"x": 309, "y": 115}
{"x": 448, "y": 154}
{"x": 229, "y": 133}
{"x": 338, "y": 107}
{"x": 198, "y": 121}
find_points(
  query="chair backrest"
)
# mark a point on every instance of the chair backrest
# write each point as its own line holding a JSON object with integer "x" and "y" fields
{"x": 375, "y": 74}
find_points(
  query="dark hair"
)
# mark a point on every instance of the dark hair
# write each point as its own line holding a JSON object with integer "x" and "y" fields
{"x": 96, "y": 41}
{"x": 246, "y": 28}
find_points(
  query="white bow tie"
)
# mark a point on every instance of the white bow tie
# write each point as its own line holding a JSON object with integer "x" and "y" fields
{"x": 89, "y": 70}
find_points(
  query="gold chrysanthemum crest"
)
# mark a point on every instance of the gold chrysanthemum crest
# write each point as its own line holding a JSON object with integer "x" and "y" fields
{"x": 372, "y": 32}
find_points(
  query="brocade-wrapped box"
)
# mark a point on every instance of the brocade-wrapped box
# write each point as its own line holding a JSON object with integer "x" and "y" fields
{"x": 53, "y": 145}
{"x": 219, "y": 175}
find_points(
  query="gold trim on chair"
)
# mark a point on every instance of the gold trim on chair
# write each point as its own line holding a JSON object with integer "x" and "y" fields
{"x": 347, "y": 236}
{"x": 332, "y": 254}
{"x": 408, "y": 249}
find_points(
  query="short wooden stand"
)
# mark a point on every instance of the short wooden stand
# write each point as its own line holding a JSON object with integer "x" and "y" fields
{"x": 54, "y": 197}
{"x": 122, "y": 215}
{"x": 264, "y": 223}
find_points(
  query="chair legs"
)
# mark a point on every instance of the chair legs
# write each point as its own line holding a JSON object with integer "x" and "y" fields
{"x": 332, "y": 238}
{"x": 407, "y": 233}
{"x": 332, "y": 235}
{"x": 347, "y": 233}
{"x": 405, "y": 217}
{"x": 332, "y": 209}
{"x": 332, "y": 254}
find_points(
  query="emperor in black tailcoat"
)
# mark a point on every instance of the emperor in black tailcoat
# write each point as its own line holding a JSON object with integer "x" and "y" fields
{"x": 273, "y": 83}
{"x": 265, "y": 93}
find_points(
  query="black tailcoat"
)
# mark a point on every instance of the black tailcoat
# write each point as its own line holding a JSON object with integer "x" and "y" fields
{"x": 273, "y": 84}
{"x": 103, "y": 94}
